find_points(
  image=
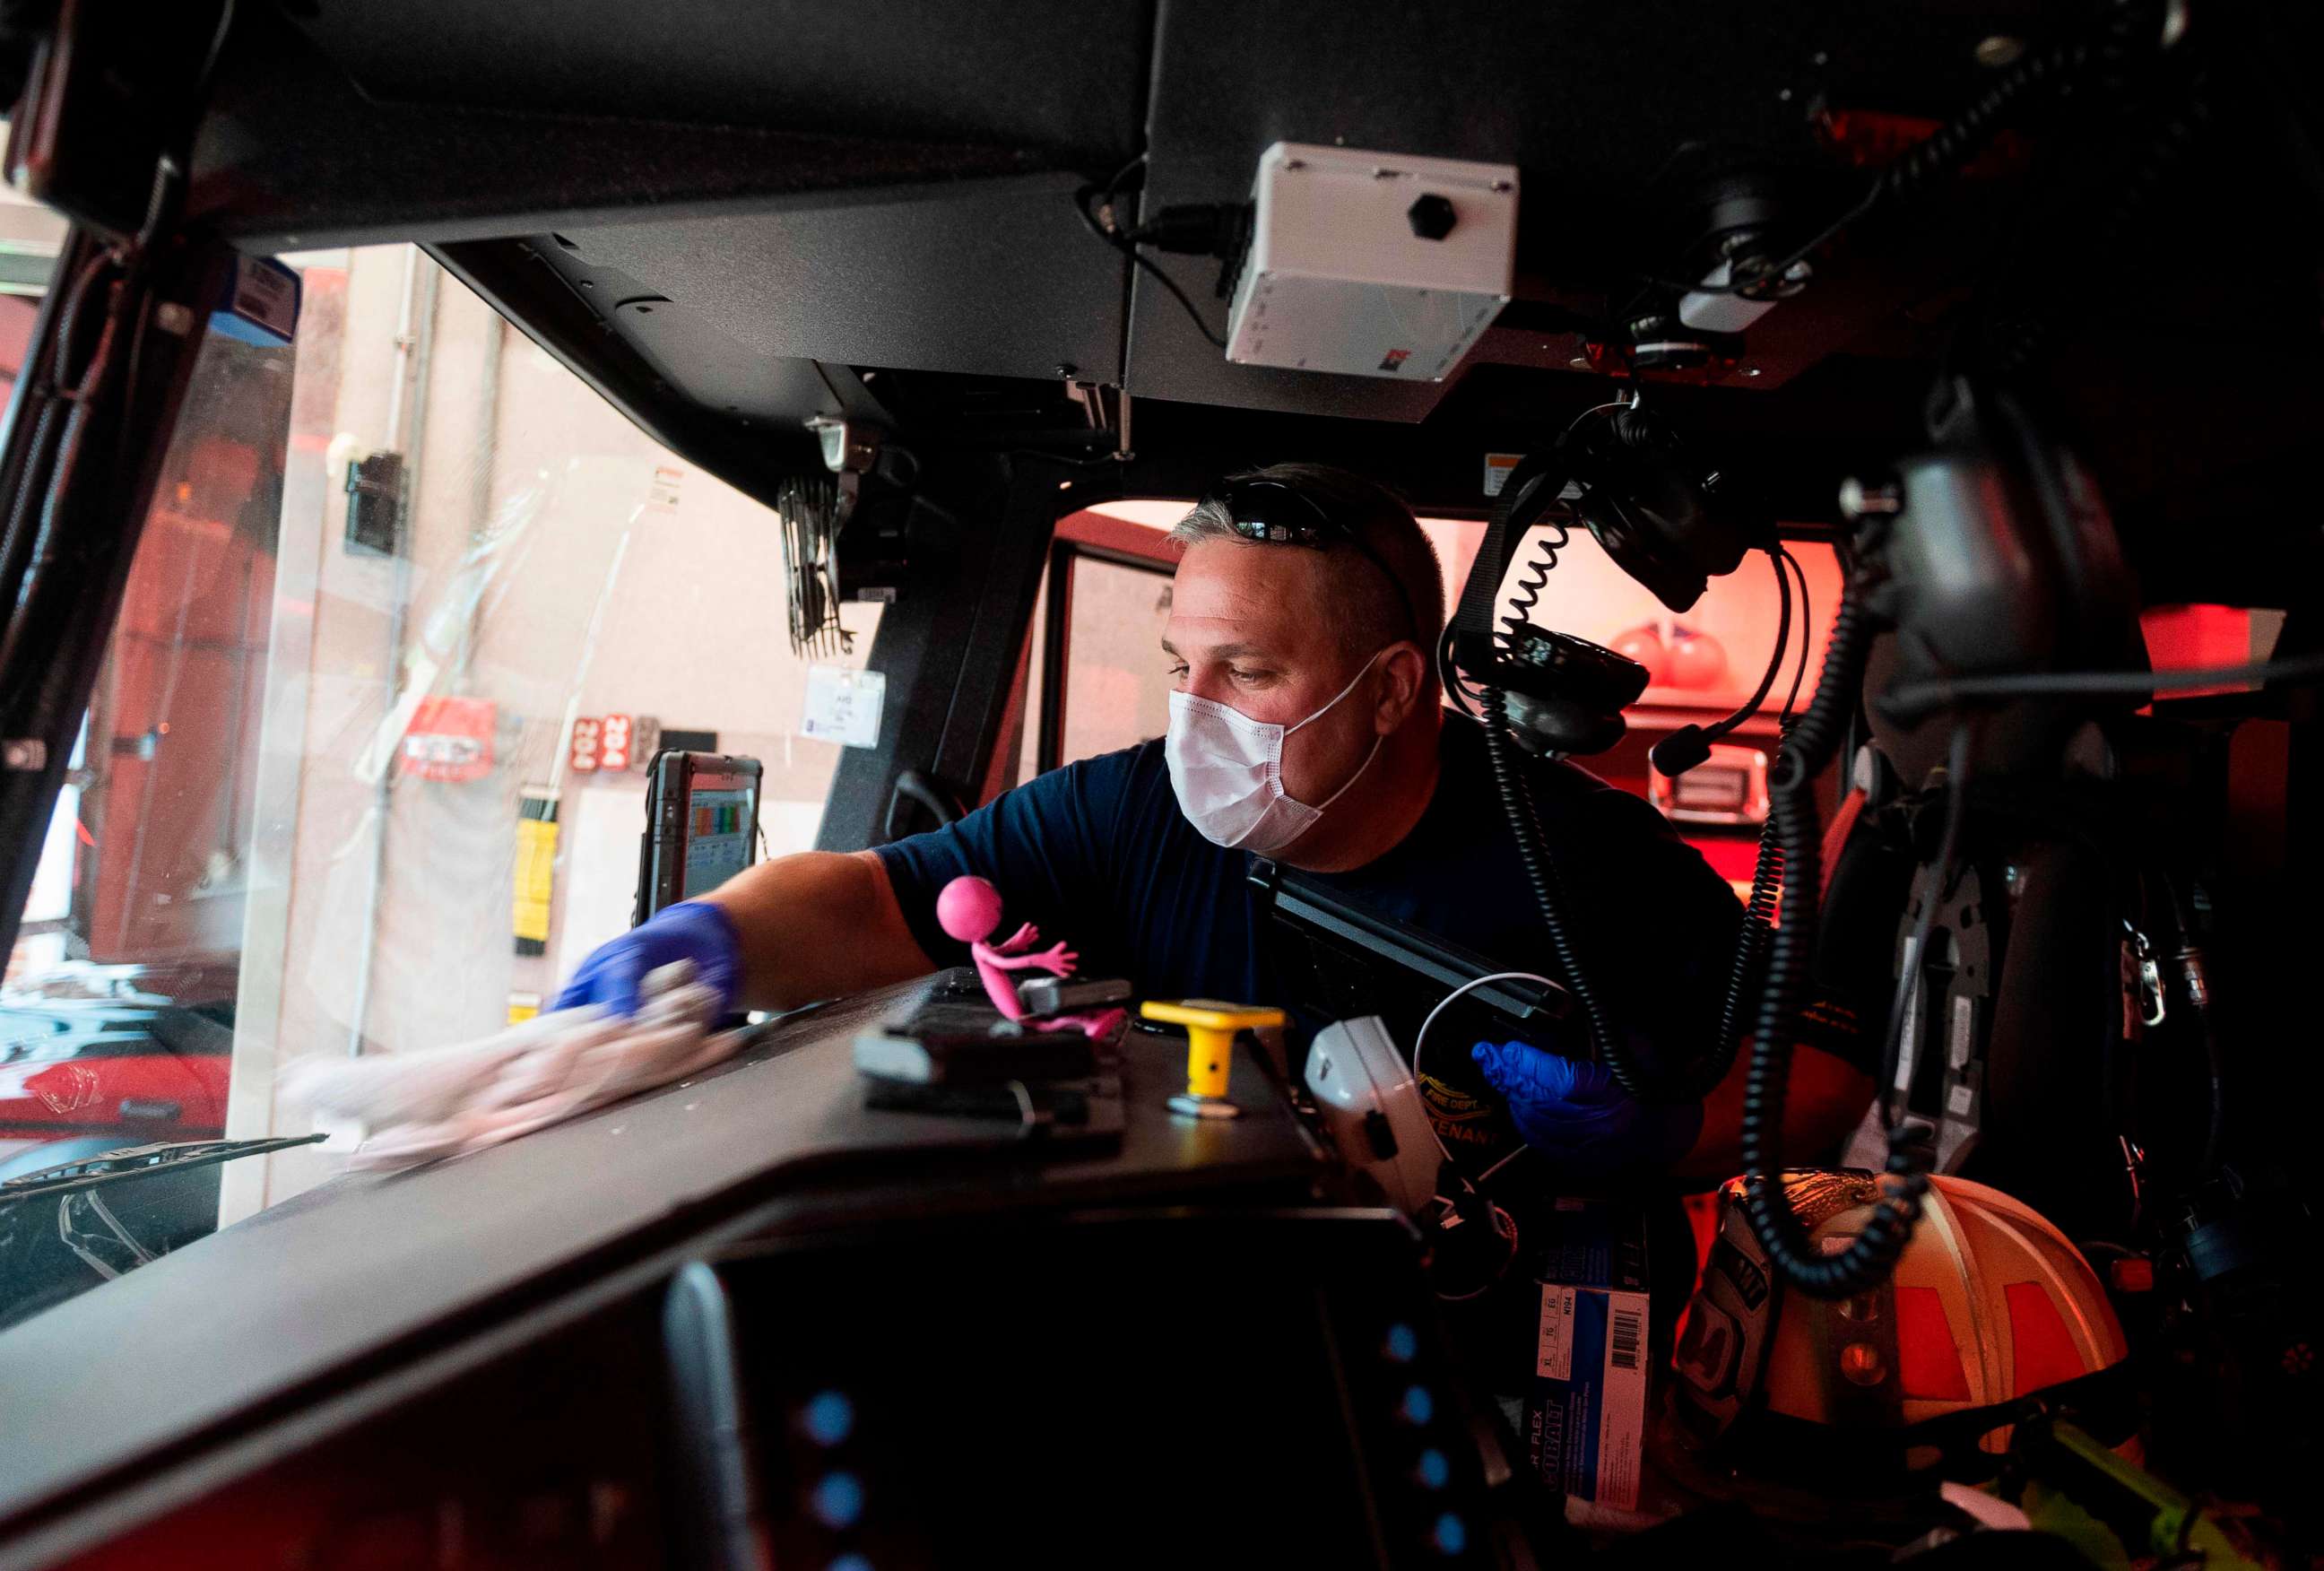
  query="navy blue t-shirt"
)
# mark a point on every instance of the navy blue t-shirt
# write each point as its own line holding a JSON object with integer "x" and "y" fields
{"x": 1098, "y": 854}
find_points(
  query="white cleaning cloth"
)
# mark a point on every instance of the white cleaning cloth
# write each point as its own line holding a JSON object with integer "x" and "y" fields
{"x": 395, "y": 1109}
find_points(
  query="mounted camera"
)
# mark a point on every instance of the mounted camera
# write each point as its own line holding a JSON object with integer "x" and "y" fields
{"x": 1732, "y": 269}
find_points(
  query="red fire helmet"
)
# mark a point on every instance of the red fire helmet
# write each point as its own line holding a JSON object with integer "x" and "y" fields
{"x": 1988, "y": 1303}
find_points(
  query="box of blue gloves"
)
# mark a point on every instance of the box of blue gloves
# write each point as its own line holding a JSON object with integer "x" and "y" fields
{"x": 1585, "y": 1409}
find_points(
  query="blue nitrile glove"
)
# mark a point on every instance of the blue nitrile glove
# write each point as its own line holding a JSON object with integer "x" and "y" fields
{"x": 692, "y": 929}
{"x": 1572, "y": 1112}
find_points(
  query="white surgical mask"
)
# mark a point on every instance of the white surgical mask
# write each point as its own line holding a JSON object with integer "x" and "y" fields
{"x": 1227, "y": 770}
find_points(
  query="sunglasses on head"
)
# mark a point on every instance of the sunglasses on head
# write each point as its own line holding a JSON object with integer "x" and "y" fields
{"x": 1274, "y": 511}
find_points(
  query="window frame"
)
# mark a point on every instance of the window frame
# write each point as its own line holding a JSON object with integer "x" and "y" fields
{"x": 1101, "y": 538}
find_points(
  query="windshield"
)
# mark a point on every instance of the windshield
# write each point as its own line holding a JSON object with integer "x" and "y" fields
{"x": 364, "y": 770}
{"x": 405, "y": 585}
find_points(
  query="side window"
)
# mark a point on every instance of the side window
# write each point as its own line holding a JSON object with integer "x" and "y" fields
{"x": 1109, "y": 585}
{"x": 1111, "y": 697}
{"x": 1098, "y": 680}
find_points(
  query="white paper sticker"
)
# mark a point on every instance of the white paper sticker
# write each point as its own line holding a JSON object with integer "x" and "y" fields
{"x": 1553, "y": 1357}
{"x": 1622, "y": 1401}
{"x": 262, "y": 303}
{"x": 1496, "y": 475}
{"x": 842, "y": 706}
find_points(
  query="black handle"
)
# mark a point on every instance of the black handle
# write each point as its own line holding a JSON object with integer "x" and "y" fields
{"x": 915, "y": 786}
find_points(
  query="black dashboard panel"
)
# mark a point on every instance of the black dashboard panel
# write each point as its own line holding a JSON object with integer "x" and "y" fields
{"x": 1260, "y": 1388}
{"x": 551, "y": 1456}
{"x": 1266, "y": 1386}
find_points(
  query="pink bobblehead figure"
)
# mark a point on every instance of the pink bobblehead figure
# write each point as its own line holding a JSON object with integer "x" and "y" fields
{"x": 969, "y": 910}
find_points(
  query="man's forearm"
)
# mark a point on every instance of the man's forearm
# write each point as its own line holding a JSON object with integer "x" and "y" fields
{"x": 817, "y": 925}
{"x": 1824, "y": 1098}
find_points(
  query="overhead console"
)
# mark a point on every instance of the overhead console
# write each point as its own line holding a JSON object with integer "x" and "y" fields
{"x": 730, "y": 220}
{"x": 892, "y": 216}
{"x": 1654, "y": 146}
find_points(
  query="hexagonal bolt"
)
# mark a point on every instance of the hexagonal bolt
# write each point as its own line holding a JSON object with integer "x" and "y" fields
{"x": 1431, "y": 216}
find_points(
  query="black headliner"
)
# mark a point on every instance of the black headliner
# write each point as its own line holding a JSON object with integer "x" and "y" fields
{"x": 714, "y": 208}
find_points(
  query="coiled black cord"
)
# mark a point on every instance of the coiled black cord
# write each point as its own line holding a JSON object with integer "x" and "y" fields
{"x": 1766, "y": 869}
{"x": 1767, "y": 878}
{"x": 1542, "y": 874}
{"x": 1952, "y": 148}
{"x": 1527, "y": 594}
{"x": 1973, "y": 130}
{"x": 1750, "y": 950}
{"x": 1791, "y": 948}
{"x": 1448, "y": 671}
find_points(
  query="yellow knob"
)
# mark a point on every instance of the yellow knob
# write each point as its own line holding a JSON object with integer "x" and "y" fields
{"x": 1211, "y": 1028}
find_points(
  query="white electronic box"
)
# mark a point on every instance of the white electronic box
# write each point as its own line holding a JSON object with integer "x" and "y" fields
{"x": 1372, "y": 263}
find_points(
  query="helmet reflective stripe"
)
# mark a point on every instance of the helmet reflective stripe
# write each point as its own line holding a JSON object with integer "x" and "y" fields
{"x": 1987, "y": 1303}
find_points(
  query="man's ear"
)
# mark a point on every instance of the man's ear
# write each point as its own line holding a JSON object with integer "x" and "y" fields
{"x": 1407, "y": 684}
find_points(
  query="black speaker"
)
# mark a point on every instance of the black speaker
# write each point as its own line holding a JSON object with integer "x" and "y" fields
{"x": 1649, "y": 501}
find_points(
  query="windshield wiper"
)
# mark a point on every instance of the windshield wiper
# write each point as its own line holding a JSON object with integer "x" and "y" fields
{"x": 137, "y": 1161}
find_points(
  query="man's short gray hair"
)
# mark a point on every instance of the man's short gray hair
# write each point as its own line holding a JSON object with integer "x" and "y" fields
{"x": 1370, "y": 616}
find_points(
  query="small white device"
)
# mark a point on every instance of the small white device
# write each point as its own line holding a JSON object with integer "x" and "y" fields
{"x": 1368, "y": 1101}
{"x": 1372, "y": 263}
